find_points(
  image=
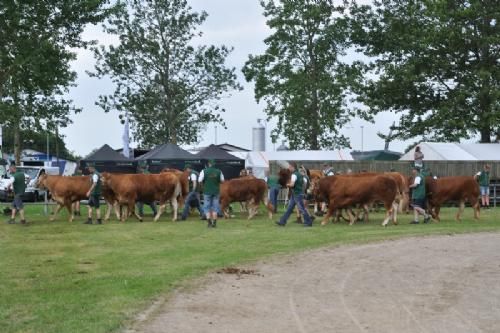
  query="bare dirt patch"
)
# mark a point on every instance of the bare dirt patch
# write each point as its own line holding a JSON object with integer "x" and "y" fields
{"x": 435, "y": 284}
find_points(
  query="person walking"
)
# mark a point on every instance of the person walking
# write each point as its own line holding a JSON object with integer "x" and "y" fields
{"x": 193, "y": 197}
{"x": 211, "y": 177}
{"x": 296, "y": 185}
{"x": 418, "y": 158}
{"x": 94, "y": 195}
{"x": 483, "y": 177}
{"x": 328, "y": 171}
{"x": 18, "y": 185}
{"x": 274, "y": 189}
{"x": 418, "y": 196}
{"x": 140, "y": 204}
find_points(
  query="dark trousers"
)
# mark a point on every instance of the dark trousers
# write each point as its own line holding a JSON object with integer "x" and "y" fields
{"x": 192, "y": 200}
{"x": 140, "y": 207}
{"x": 299, "y": 201}
{"x": 273, "y": 198}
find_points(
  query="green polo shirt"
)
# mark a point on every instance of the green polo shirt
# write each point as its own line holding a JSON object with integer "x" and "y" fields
{"x": 484, "y": 178}
{"x": 19, "y": 184}
{"x": 211, "y": 181}
{"x": 272, "y": 181}
{"x": 419, "y": 191}
{"x": 298, "y": 187}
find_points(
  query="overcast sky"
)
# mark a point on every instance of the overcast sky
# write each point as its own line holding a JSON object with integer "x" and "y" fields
{"x": 234, "y": 23}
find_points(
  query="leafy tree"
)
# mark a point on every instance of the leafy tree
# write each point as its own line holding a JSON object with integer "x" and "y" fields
{"x": 301, "y": 77}
{"x": 169, "y": 87}
{"x": 36, "y": 37}
{"x": 436, "y": 64}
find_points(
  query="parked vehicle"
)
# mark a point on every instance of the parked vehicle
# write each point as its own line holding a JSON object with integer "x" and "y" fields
{"x": 31, "y": 173}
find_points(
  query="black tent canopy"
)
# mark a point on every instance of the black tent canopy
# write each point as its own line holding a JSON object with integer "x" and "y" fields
{"x": 168, "y": 155}
{"x": 107, "y": 159}
{"x": 229, "y": 165}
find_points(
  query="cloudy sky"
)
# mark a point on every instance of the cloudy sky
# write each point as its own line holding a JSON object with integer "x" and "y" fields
{"x": 234, "y": 23}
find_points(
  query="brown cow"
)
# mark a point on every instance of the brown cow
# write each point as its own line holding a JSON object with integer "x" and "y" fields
{"x": 184, "y": 180}
{"x": 244, "y": 189}
{"x": 130, "y": 188}
{"x": 345, "y": 192}
{"x": 65, "y": 190}
{"x": 458, "y": 188}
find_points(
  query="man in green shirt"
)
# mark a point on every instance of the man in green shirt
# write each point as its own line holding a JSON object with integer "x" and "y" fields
{"x": 18, "y": 186}
{"x": 94, "y": 195}
{"x": 483, "y": 177}
{"x": 296, "y": 185}
{"x": 418, "y": 196}
{"x": 211, "y": 178}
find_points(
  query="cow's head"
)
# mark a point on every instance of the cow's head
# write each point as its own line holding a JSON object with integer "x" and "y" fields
{"x": 284, "y": 177}
{"x": 40, "y": 182}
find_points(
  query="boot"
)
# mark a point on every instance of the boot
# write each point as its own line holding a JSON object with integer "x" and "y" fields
{"x": 209, "y": 223}
{"x": 89, "y": 221}
{"x": 214, "y": 223}
{"x": 99, "y": 221}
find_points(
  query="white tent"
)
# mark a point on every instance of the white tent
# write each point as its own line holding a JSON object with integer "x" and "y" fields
{"x": 310, "y": 155}
{"x": 449, "y": 151}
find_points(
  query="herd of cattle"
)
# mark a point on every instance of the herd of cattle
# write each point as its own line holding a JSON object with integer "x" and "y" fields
{"x": 341, "y": 193}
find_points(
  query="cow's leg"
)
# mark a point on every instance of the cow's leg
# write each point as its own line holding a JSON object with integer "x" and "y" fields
{"x": 69, "y": 207}
{"x": 351, "y": 216}
{"x": 475, "y": 206}
{"x": 175, "y": 207}
{"x": 109, "y": 208}
{"x": 388, "y": 214}
{"x": 161, "y": 209}
{"x": 436, "y": 210}
{"x": 395, "y": 208}
{"x": 58, "y": 208}
{"x": 329, "y": 213}
{"x": 252, "y": 208}
{"x": 461, "y": 208}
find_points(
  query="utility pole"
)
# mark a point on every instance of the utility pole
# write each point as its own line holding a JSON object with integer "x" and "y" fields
{"x": 362, "y": 147}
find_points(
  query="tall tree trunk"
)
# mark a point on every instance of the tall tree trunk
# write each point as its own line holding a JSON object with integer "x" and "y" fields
{"x": 485, "y": 135}
{"x": 17, "y": 143}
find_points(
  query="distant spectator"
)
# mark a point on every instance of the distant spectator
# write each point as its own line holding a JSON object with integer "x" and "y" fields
{"x": 418, "y": 196}
{"x": 484, "y": 185}
{"x": 418, "y": 158}
{"x": 328, "y": 170}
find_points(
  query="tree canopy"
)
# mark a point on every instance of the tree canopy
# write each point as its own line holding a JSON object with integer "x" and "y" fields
{"x": 435, "y": 63}
{"x": 35, "y": 53}
{"x": 301, "y": 76}
{"x": 170, "y": 87}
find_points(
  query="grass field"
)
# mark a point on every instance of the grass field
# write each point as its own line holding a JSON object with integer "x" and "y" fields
{"x": 69, "y": 277}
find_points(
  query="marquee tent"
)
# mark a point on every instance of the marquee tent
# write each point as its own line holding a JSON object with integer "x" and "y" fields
{"x": 168, "y": 155}
{"x": 107, "y": 159}
{"x": 230, "y": 165}
{"x": 449, "y": 151}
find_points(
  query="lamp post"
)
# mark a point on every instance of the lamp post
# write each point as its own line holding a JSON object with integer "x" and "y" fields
{"x": 362, "y": 138}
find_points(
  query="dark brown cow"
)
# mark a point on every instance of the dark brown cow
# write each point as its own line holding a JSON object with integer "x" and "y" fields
{"x": 245, "y": 189}
{"x": 458, "y": 188}
{"x": 130, "y": 188}
{"x": 65, "y": 190}
{"x": 345, "y": 192}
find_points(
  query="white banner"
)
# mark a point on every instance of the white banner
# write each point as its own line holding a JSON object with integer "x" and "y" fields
{"x": 126, "y": 138}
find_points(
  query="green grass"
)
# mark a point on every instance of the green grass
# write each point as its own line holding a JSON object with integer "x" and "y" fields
{"x": 63, "y": 277}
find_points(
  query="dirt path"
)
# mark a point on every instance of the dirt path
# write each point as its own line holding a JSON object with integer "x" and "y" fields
{"x": 436, "y": 284}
